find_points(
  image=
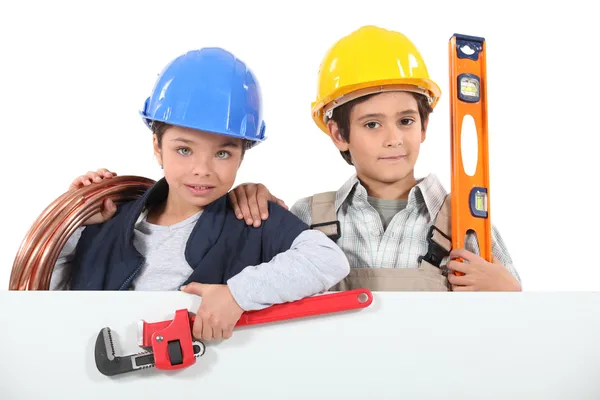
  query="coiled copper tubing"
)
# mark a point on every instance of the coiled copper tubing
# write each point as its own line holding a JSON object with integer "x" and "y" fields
{"x": 39, "y": 250}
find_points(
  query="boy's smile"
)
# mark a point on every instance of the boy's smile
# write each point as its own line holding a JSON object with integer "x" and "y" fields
{"x": 393, "y": 158}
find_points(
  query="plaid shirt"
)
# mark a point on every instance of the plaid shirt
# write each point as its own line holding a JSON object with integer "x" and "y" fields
{"x": 365, "y": 242}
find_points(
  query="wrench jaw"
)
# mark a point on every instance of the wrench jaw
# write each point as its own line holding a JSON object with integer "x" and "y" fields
{"x": 109, "y": 364}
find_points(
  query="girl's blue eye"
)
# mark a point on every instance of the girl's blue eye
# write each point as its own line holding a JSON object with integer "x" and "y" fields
{"x": 184, "y": 149}
{"x": 223, "y": 154}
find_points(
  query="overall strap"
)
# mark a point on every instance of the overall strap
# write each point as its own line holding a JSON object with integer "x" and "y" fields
{"x": 323, "y": 215}
{"x": 439, "y": 237}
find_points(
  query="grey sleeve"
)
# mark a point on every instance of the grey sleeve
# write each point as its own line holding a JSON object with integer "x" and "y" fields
{"x": 312, "y": 265}
{"x": 62, "y": 268}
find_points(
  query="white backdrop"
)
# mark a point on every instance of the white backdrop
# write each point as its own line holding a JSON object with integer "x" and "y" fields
{"x": 422, "y": 346}
{"x": 75, "y": 74}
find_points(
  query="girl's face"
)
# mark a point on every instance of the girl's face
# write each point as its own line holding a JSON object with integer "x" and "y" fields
{"x": 199, "y": 166}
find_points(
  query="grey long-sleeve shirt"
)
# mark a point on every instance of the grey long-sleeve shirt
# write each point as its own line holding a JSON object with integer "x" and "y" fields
{"x": 311, "y": 266}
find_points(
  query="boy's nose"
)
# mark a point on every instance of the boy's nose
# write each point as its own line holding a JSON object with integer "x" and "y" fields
{"x": 394, "y": 139}
{"x": 393, "y": 143}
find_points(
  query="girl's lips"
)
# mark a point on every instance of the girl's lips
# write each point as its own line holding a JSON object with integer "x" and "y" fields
{"x": 199, "y": 190}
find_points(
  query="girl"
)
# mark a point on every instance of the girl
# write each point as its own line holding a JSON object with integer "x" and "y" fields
{"x": 204, "y": 112}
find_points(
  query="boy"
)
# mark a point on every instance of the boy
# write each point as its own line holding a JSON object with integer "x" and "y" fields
{"x": 374, "y": 99}
{"x": 205, "y": 112}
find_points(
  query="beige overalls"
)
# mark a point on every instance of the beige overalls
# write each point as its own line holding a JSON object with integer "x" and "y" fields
{"x": 427, "y": 277}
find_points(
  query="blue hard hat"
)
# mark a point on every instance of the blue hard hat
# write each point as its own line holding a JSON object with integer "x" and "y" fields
{"x": 210, "y": 90}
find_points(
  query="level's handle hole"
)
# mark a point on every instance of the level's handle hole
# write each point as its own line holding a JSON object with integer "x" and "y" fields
{"x": 469, "y": 145}
{"x": 466, "y": 49}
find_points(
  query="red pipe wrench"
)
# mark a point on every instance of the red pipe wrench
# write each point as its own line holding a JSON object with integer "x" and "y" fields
{"x": 173, "y": 347}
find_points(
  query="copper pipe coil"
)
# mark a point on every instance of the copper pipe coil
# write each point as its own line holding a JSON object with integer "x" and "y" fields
{"x": 34, "y": 263}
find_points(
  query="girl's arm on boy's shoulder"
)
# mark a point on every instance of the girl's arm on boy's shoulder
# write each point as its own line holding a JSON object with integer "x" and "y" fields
{"x": 311, "y": 265}
{"x": 250, "y": 201}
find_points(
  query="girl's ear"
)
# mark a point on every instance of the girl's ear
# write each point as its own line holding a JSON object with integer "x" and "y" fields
{"x": 157, "y": 150}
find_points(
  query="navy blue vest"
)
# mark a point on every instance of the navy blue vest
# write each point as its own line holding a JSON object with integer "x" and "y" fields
{"x": 219, "y": 247}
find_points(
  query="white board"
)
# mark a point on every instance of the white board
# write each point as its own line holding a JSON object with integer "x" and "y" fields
{"x": 405, "y": 345}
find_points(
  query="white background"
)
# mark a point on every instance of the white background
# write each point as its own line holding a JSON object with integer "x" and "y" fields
{"x": 438, "y": 346}
{"x": 75, "y": 74}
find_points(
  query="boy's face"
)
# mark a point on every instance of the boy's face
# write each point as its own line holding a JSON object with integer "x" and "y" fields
{"x": 199, "y": 167}
{"x": 386, "y": 133}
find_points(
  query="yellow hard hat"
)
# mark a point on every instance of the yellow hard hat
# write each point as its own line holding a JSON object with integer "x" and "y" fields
{"x": 370, "y": 60}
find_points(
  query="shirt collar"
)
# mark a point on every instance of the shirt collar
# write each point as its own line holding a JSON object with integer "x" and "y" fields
{"x": 428, "y": 192}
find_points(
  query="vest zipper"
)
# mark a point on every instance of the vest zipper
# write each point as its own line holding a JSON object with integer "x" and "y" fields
{"x": 124, "y": 285}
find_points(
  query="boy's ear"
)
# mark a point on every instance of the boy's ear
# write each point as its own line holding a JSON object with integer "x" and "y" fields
{"x": 424, "y": 130}
{"x": 336, "y": 136}
{"x": 157, "y": 152}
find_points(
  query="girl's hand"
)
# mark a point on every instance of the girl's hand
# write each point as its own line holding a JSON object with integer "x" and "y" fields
{"x": 108, "y": 207}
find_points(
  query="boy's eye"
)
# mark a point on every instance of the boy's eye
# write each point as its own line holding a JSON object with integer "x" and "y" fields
{"x": 372, "y": 125}
{"x": 184, "y": 151}
{"x": 223, "y": 154}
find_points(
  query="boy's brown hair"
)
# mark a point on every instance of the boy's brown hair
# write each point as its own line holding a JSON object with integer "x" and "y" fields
{"x": 341, "y": 115}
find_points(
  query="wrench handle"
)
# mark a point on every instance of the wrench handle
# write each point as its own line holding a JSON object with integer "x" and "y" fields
{"x": 307, "y": 307}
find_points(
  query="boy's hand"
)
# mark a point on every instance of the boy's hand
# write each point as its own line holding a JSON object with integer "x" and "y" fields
{"x": 249, "y": 202}
{"x": 108, "y": 207}
{"x": 480, "y": 275}
{"x": 218, "y": 313}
